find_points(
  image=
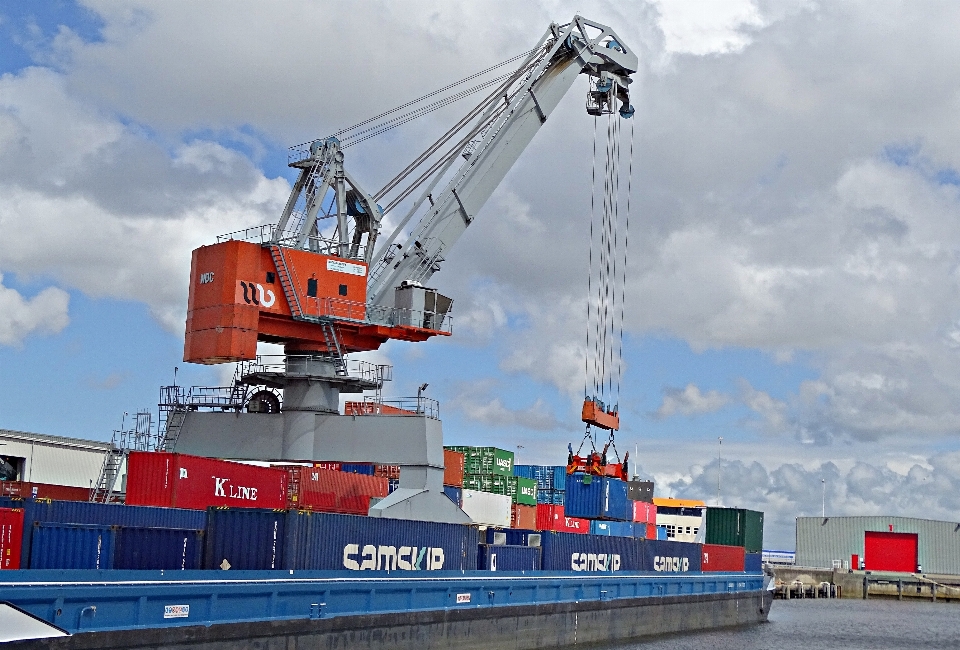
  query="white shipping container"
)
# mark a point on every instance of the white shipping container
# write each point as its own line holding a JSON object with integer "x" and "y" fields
{"x": 486, "y": 508}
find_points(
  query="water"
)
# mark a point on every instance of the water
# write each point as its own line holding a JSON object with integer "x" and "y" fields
{"x": 832, "y": 624}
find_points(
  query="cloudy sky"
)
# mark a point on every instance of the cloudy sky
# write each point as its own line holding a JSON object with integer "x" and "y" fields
{"x": 794, "y": 267}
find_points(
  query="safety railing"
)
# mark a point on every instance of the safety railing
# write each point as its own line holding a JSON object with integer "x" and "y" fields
{"x": 373, "y": 405}
{"x": 313, "y": 365}
{"x": 196, "y": 397}
{"x": 268, "y": 234}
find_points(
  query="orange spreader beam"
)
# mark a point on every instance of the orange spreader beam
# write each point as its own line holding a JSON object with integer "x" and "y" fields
{"x": 593, "y": 414}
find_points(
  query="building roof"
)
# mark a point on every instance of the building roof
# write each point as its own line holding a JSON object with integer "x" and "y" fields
{"x": 60, "y": 441}
{"x": 677, "y": 503}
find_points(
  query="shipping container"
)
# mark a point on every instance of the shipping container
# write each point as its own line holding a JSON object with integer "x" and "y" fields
{"x": 72, "y": 546}
{"x": 367, "y": 469}
{"x": 523, "y": 516}
{"x": 553, "y": 517}
{"x": 644, "y": 513}
{"x": 597, "y": 497}
{"x": 486, "y": 508}
{"x": 194, "y": 482}
{"x": 735, "y": 527}
{"x": 492, "y": 483}
{"x": 640, "y": 491}
{"x": 11, "y": 537}
{"x": 550, "y": 497}
{"x": 387, "y": 471}
{"x": 661, "y": 533}
{"x": 611, "y": 528}
{"x": 509, "y": 558}
{"x": 455, "y": 494}
{"x": 651, "y": 532}
{"x": 393, "y": 484}
{"x": 494, "y": 536}
{"x": 672, "y": 557}
{"x": 453, "y": 468}
{"x": 486, "y": 460}
{"x": 329, "y": 491}
{"x": 158, "y": 549}
{"x": 722, "y": 558}
{"x": 525, "y": 491}
{"x": 753, "y": 562}
{"x": 244, "y": 539}
{"x": 44, "y": 491}
{"x": 325, "y": 541}
{"x": 571, "y": 552}
{"x": 548, "y": 477}
{"x": 333, "y": 466}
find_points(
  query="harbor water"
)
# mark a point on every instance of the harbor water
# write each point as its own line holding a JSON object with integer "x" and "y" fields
{"x": 845, "y": 624}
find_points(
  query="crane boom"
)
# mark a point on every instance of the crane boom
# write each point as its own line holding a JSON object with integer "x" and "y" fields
{"x": 566, "y": 51}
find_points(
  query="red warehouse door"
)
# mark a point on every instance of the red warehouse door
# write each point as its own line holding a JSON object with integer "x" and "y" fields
{"x": 890, "y": 551}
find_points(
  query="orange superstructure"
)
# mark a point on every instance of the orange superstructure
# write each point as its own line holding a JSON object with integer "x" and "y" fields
{"x": 243, "y": 292}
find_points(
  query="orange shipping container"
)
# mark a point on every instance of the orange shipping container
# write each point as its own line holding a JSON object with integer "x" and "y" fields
{"x": 331, "y": 491}
{"x": 453, "y": 466}
{"x": 387, "y": 471}
{"x": 44, "y": 491}
{"x": 524, "y": 517}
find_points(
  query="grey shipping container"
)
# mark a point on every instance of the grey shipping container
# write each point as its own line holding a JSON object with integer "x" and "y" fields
{"x": 576, "y": 552}
{"x": 244, "y": 539}
{"x": 158, "y": 548}
{"x": 72, "y": 546}
{"x": 321, "y": 541}
{"x": 640, "y": 491}
{"x": 672, "y": 557}
{"x": 753, "y": 562}
{"x": 508, "y": 558}
{"x": 735, "y": 527}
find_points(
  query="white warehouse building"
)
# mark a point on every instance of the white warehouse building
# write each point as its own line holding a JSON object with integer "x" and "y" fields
{"x": 39, "y": 458}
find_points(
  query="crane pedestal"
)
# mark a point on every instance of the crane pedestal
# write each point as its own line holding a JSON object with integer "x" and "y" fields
{"x": 309, "y": 427}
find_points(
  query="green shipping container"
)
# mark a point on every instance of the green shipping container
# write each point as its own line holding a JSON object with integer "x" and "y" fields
{"x": 492, "y": 483}
{"x": 525, "y": 491}
{"x": 735, "y": 527}
{"x": 486, "y": 460}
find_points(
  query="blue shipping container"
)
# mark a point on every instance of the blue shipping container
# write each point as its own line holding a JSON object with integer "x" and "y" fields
{"x": 508, "y": 558}
{"x": 510, "y": 537}
{"x": 327, "y": 541}
{"x": 612, "y": 528}
{"x": 597, "y": 497}
{"x": 244, "y": 539}
{"x": 672, "y": 557}
{"x": 158, "y": 548}
{"x": 753, "y": 562}
{"x": 548, "y": 477}
{"x": 392, "y": 484}
{"x": 455, "y": 494}
{"x": 576, "y": 552}
{"x": 358, "y": 468}
{"x": 550, "y": 497}
{"x": 112, "y": 514}
{"x": 72, "y": 546}
{"x": 662, "y": 533}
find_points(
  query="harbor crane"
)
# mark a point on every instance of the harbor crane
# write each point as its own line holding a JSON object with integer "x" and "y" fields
{"x": 325, "y": 282}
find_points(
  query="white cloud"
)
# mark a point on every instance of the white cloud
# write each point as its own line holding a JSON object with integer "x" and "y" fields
{"x": 45, "y": 313}
{"x": 690, "y": 401}
{"x": 477, "y": 404}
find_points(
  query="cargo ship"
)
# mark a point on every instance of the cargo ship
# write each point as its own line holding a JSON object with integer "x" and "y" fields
{"x": 268, "y": 512}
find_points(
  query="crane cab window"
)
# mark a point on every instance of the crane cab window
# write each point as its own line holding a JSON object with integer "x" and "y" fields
{"x": 312, "y": 287}
{"x": 343, "y": 289}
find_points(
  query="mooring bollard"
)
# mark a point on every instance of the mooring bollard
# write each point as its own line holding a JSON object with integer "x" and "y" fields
{"x": 866, "y": 587}
{"x": 900, "y": 589}
{"x": 933, "y": 591}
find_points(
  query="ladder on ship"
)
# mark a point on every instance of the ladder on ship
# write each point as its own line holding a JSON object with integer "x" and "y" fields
{"x": 140, "y": 438}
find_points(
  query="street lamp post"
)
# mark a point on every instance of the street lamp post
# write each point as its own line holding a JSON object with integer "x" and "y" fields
{"x": 823, "y": 497}
{"x": 719, "y": 447}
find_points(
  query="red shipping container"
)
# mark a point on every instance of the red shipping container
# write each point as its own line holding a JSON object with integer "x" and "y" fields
{"x": 44, "y": 491}
{"x": 453, "y": 468}
{"x": 330, "y": 491}
{"x": 524, "y": 517}
{"x": 331, "y": 465}
{"x": 652, "y": 530}
{"x": 11, "y": 537}
{"x": 722, "y": 558}
{"x": 551, "y": 517}
{"x": 387, "y": 471}
{"x": 645, "y": 513}
{"x": 163, "y": 479}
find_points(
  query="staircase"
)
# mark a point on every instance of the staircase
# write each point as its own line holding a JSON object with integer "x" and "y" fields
{"x": 105, "y": 489}
{"x": 283, "y": 272}
{"x": 333, "y": 347}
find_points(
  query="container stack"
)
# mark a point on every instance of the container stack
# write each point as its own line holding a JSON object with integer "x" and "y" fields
{"x": 491, "y": 493}
{"x": 733, "y": 528}
{"x": 454, "y": 466}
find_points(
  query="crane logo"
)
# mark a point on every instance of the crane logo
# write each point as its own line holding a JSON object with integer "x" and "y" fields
{"x": 251, "y": 297}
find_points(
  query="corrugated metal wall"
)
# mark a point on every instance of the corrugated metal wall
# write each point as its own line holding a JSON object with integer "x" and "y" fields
{"x": 821, "y": 540}
{"x": 52, "y": 459}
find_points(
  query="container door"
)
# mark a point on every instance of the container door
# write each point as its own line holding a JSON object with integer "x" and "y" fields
{"x": 884, "y": 551}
